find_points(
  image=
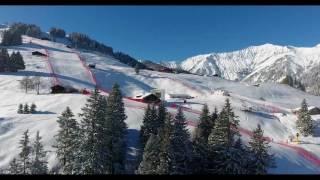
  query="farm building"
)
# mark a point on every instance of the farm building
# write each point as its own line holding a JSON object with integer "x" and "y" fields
{"x": 58, "y": 89}
{"x": 181, "y": 96}
{"x": 37, "y": 53}
{"x": 148, "y": 98}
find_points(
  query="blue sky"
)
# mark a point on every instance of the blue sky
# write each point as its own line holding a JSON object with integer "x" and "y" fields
{"x": 177, "y": 32}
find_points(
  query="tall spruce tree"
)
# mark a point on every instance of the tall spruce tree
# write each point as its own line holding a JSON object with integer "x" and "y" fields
{"x": 33, "y": 108}
{"x": 148, "y": 125}
{"x": 150, "y": 159}
{"x": 304, "y": 123}
{"x": 89, "y": 158}
{"x": 161, "y": 115}
{"x": 116, "y": 130}
{"x": 20, "y": 109}
{"x": 181, "y": 145}
{"x": 259, "y": 148}
{"x": 24, "y": 155}
{"x": 39, "y": 164}
{"x": 166, "y": 149}
{"x": 67, "y": 141}
{"x": 205, "y": 125}
{"x": 26, "y": 109}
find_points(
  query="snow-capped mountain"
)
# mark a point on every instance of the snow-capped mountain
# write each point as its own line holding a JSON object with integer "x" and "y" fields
{"x": 262, "y": 63}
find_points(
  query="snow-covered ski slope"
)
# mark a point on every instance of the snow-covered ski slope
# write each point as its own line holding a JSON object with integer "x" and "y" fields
{"x": 68, "y": 67}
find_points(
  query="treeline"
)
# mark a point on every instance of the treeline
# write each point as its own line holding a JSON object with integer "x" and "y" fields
{"x": 126, "y": 59}
{"x": 11, "y": 63}
{"x": 83, "y": 41}
{"x": 57, "y": 32}
{"x": 12, "y": 37}
{"x": 216, "y": 147}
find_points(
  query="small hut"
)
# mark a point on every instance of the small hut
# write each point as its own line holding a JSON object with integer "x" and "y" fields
{"x": 147, "y": 98}
{"x": 37, "y": 53}
{"x": 58, "y": 89}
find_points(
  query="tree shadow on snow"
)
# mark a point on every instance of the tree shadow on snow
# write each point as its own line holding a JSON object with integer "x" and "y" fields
{"x": 44, "y": 112}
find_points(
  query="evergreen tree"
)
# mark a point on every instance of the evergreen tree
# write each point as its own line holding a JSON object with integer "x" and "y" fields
{"x": 148, "y": 124}
{"x": 26, "y": 109}
{"x": 150, "y": 160}
{"x": 20, "y": 109}
{"x": 24, "y": 155}
{"x": 67, "y": 141}
{"x": 39, "y": 165}
{"x": 259, "y": 148}
{"x": 166, "y": 151}
{"x": 161, "y": 115}
{"x": 116, "y": 130}
{"x": 33, "y": 108}
{"x": 92, "y": 115}
{"x": 304, "y": 123}
{"x": 205, "y": 125}
{"x": 181, "y": 144}
{"x": 14, "y": 167}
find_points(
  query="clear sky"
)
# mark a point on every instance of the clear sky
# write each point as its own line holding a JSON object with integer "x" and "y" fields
{"x": 177, "y": 32}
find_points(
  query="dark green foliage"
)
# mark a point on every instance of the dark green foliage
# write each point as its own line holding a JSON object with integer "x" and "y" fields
{"x": 205, "y": 125}
{"x": 67, "y": 141}
{"x": 33, "y": 108}
{"x": 24, "y": 155}
{"x": 20, "y": 109}
{"x": 39, "y": 164}
{"x": 83, "y": 41}
{"x": 11, "y": 38}
{"x": 126, "y": 59}
{"x": 56, "y": 32}
{"x": 305, "y": 123}
{"x": 149, "y": 124}
{"x": 26, "y": 109}
{"x": 137, "y": 68}
{"x": 258, "y": 146}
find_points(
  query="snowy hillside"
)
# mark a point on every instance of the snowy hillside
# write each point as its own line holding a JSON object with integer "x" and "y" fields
{"x": 68, "y": 67}
{"x": 265, "y": 63}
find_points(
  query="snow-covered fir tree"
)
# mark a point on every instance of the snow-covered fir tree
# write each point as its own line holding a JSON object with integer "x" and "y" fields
{"x": 148, "y": 126}
{"x": 259, "y": 147}
{"x": 33, "y": 108}
{"x": 67, "y": 141}
{"x": 26, "y": 109}
{"x": 205, "y": 125}
{"x": 25, "y": 154}
{"x": 88, "y": 155}
{"x": 150, "y": 159}
{"x": 166, "y": 151}
{"x": 161, "y": 115}
{"x": 304, "y": 123}
{"x": 20, "y": 109}
{"x": 39, "y": 164}
{"x": 116, "y": 130}
{"x": 181, "y": 145}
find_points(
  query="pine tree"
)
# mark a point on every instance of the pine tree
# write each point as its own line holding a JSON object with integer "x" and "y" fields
{"x": 205, "y": 125}
{"x": 26, "y": 109}
{"x": 181, "y": 144}
{"x": 304, "y": 123}
{"x": 166, "y": 151}
{"x": 39, "y": 164}
{"x": 92, "y": 115}
{"x": 161, "y": 115}
{"x": 148, "y": 124}
{"x": 25, "y": 153}
{"x": 20, "y": 109}
{"x": 116, "y": 129}
{"x": 150, "y": 160}
{"x": 259, "y": 148}
{"x": 33, "y": 108}
{"x": 67, "y": 141}
{"x": 14, "y": 167}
